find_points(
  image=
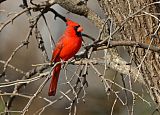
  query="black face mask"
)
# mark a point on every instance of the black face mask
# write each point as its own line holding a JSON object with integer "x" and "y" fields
{"x": 77, "y": 33}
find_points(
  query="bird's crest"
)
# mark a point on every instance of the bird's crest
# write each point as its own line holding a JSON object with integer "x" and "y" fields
{"x": 71, "y": 23}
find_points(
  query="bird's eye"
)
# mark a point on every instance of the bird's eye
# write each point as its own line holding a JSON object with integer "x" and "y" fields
{"x": 76, "y": 27}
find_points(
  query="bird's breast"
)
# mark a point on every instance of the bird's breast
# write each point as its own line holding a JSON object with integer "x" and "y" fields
{"x": 70, "y": 46}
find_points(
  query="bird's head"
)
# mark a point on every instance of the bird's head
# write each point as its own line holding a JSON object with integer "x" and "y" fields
{"x": 75, "y": 26}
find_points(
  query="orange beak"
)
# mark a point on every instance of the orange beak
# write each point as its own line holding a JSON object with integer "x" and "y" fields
{"x": 80, "y": 29}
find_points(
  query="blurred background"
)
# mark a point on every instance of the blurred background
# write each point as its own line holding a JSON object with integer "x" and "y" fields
{"x": 97, "y": 102}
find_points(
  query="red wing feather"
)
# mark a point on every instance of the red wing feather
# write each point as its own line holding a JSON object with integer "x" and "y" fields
{"x": 56, "y": 52}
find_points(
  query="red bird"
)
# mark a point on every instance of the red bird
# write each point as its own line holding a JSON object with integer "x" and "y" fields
{"x": 68, "y": 45}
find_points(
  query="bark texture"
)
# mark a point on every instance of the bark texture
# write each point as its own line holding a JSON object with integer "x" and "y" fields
{"x": 138, "y": 22}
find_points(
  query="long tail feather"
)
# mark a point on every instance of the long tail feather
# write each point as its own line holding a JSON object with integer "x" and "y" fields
{"x": 54, "y": 81}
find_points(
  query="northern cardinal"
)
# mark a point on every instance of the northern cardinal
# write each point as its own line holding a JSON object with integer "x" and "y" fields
{"x": 68, "y": 45}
